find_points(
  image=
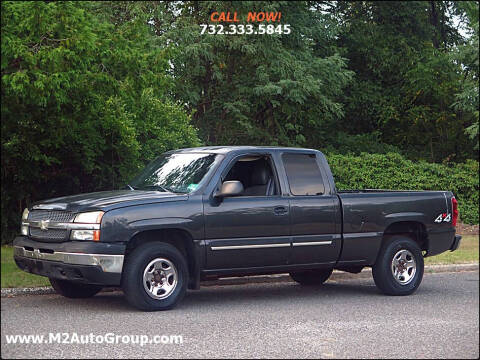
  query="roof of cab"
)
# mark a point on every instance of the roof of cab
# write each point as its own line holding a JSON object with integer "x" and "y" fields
{"x": 227, "y": 149}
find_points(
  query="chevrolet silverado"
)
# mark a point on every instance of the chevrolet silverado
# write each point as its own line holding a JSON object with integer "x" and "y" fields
{"x": 210, "y": 212}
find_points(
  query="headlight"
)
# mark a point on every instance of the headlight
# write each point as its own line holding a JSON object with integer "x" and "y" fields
{"x": 23, "y": 226}
{"x": 93, "y": 217}
{"x": 25, "y": 214}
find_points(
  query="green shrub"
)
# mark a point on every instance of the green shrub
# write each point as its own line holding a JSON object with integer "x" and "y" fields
{"x": 392, "y": 171}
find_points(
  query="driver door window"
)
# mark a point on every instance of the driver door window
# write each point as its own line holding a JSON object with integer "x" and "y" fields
{"x": 256, "y": 175}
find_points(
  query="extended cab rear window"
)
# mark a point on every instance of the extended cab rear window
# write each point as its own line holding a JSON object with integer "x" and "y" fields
{"x": 303, "y": 174}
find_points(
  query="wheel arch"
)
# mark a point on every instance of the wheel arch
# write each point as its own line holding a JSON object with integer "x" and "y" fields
{"x": 177, "y": 237}
{"x": 416, "y": 230}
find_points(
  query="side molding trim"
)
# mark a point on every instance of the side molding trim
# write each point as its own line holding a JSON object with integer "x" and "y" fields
{"x": 312, "y": 243}
{"x": 259, "y": 246}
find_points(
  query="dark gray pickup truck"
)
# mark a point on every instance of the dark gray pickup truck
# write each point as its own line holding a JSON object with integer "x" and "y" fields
{"x": 202, "y": 213}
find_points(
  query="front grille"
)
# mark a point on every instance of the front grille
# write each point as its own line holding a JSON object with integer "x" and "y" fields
{"x": 52, "y": 215}
{"x": 50, "y": 234}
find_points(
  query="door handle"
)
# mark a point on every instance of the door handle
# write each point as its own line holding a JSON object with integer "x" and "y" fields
{"x": 280, "y": 210}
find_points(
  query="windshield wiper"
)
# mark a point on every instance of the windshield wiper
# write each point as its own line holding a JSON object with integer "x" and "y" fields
{"x": 130, "y": 187}
{"x": 156, "y": 187}
{"x": 161, "y": 188}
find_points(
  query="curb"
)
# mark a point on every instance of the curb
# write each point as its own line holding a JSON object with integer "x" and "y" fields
{"x": 42, "y": 290}
{"x": 257, "y": 279}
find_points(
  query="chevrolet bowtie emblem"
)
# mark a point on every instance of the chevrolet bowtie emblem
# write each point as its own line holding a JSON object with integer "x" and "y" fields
{"x": 44, "y": 225}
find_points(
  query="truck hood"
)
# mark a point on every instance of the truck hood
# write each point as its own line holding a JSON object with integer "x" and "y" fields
{"x": 107, "y": 200}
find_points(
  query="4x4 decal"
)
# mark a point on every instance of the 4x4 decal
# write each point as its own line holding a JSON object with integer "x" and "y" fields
{"x": 443, "y": 218}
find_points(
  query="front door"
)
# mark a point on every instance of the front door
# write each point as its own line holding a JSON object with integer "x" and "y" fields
{"x": 250, "y": 230}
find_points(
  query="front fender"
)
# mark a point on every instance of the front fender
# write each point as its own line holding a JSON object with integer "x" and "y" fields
{"x": 159, "y": 224}
{"x": 120, "y": 225}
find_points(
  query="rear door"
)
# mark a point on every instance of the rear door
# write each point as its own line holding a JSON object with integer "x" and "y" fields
{"x": 314, "y": 211}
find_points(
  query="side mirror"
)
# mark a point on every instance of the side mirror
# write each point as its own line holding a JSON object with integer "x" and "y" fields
{"x": 230, "y": 188}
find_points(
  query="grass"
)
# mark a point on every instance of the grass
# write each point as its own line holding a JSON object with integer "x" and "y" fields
{"x": 12, "y": 276}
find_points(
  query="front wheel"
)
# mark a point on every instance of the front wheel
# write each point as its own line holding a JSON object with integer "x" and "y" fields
{"x": 155, "y": 277}
{"x": 311, "y": 277}
{"x": 74, "y": 290}
{"x": 399, "y": 266}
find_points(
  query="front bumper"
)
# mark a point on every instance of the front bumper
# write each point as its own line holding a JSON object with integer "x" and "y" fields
{"x": 80, "y": 261}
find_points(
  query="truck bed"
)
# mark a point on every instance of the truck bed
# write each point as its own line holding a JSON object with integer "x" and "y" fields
{"x": 369, "y": 214}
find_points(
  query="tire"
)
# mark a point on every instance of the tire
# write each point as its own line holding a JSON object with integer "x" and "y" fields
{"x": 74, "y": 290}
{"x": 311, "y": 277}
{"x": 165, "y": 272}
{"x": 395, "y": 250}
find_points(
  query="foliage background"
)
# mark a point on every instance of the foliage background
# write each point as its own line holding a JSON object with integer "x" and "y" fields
{"x": 92, "y": 91}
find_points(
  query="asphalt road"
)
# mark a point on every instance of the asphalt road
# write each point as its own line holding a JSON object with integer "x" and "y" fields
{"x": 347, "y": 318}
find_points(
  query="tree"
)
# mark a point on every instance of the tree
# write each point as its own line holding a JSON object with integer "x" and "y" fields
{"x": 405, "y": 81}
{"x": 91, "y": 91}
{"x": 84, "y": 103}
{"x": 466, "y": 54}
{"x": 256, "y": 89}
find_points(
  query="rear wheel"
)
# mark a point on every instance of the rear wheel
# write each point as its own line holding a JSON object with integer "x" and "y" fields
{"x": 155, "y": 277}
{"x": 311, "y": 277}
{"x": 399, "y": 266}
{"x": 74, "y": 290}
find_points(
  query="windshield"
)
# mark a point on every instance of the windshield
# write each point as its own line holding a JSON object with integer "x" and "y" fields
{"x": 177, "y": 172}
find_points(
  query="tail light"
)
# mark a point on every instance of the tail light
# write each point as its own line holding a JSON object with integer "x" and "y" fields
{"x": 454, "y": 211}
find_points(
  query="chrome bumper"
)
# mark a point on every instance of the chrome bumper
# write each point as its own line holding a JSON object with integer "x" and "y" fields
{"x": 108, "y": 263}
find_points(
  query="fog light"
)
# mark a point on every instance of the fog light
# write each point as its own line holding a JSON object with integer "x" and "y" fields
{"x": 85, "y": 235}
